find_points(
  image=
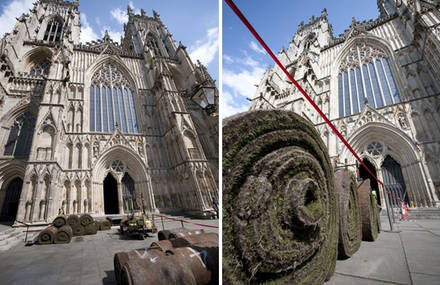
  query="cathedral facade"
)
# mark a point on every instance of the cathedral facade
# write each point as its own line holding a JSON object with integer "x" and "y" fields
{"x": 101, "y": 127}
{"x": 379, "y": 84}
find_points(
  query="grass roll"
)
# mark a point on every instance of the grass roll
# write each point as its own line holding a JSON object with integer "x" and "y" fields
{"x": 85, "y": 219}
{"x": 91, "y": 229}
{"x": 280, "y": 216}
{"x": 73, "y": 220}
{"x": 63, "y": 235}
{"x": 350, "y": 227}
{"x": 60, "y": 221}
{"x": 47, "y": 236}
{"x": 369, "y": 212}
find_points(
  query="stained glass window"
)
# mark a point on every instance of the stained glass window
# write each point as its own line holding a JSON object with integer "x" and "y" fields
{"x": 111, "y": 102}
{"x": 20, "y": 136}
{"x": 365, "y": 72}
{"x": 40, "y": 68}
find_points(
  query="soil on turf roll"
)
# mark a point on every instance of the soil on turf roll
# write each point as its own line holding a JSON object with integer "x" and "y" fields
{"x": 60, "y": 221}
{"x": 280, "y": 217}
{"x": 350, "y": 228}
{"x": 73, "y": 220}
{"x": 47, "y": 236}
{"x": 63, "y": 235}
{"x": 85, "y": 219}
{"x": 369, "y": 212}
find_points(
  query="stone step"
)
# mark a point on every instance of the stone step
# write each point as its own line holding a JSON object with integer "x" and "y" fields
{"x": 13, "y": 239}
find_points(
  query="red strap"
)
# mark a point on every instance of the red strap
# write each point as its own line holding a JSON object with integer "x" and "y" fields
{"x": 260, "y": 40}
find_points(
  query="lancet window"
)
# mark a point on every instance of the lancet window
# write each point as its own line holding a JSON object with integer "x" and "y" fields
{"x": 54, "y": 30}
{"x": 111, "y": 102}
{"x": 365, "y": 74}
{"x": 20, "y": 136}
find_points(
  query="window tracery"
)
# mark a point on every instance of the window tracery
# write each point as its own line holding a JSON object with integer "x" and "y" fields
{"x": 54, "y": 30}
{"x": 111, "y": 101}
{"x": 20, "y": 136}
{"x": 365, "y": 75}
{"x": 40, "y": 68}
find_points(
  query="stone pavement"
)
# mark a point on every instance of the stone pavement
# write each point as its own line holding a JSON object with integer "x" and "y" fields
{"x": 86, "y": 260}
{"x": 411, "y": 256}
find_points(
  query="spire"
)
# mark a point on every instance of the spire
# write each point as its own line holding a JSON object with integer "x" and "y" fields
{"x": 129, "y": 10}
{"x": 106, "y": 36}
{"x": 324, "y": 13}
{"x": 143, "y": 14}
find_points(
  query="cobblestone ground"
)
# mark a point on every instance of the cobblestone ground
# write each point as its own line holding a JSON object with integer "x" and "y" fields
{"x": 410, "y": 256}
{"x": 86, "y": 260}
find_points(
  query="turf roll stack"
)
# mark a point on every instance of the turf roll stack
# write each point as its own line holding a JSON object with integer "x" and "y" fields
{"x": 350, "y": 227}
{"x": 189, "y": 260}
{"x": 280, "y": 216}
{"x": 47, "y": 236}
{"x": 63, "y": 235}
{"x": 369, "y": 212}
{"x": 60, "y": 221}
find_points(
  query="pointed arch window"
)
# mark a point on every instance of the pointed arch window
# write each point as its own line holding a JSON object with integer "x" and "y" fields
{"x": 20, "y": 136}
{"x": 152, "y": 44}
{"x": 111, "y": 102}
{"x": 365, "y": 73}
{"x": 54, "y": 31}
{"x": 40, "y": 68}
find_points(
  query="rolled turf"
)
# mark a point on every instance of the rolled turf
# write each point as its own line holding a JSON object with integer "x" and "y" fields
{"x": 280, "y": 216}
{"x": 63, "y": 235}
{"x": 47, "y": 236}
{"x": 85, "y": 219}
{"x": 350, "y": 227}
{"x": 60, "y": 221}
{"x": 369, "y": 212}
{"x": 73, "y": 220}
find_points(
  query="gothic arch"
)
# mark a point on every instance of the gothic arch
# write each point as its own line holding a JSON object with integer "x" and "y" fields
{"x": 111, "y": 60}
{"x": 404, "y": 151}
{"x": 35, "y": 55}
{"x": 344, "y": 51}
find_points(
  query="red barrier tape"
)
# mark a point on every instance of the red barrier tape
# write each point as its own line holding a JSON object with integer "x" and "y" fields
{"x": 186, "y": 222}
{"x": 268, "y": 50}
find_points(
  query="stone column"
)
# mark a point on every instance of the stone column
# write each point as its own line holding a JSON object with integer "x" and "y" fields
{"x": 22, "y": 202}
{"x": 69, "y": 199}
{"x": 198, "y": 191}
{"x": 35, "y": 205}
{"x": 381, "y": 190}
{"x": 120, "y": 200}
{"x": 49, "y": 205}
{"x": 79, "y": 194}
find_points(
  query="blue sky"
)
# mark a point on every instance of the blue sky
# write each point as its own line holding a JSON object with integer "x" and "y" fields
{"x": 193, "y": 22}
{"x": 244, "y": 61}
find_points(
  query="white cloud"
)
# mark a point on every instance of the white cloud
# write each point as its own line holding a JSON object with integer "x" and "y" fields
{"x": 87, "y": 32}
{"x": 229, "y": 106}
{"x": 11, "y": 11}
{"x": 119, "y": 15}
{"x": 253, "y": 45}
{"x": 241, "y": 83}
{"x": 115, "y": 36}
{"x": 227, "y": 59}
{"x": 206, "y": 49}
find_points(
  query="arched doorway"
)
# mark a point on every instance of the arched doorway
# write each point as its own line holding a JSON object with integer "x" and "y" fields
{"x": 12, "y": 197}
{"x": 364, "y": 174}
{"x": 111, "y": 195}
{"x": 393, "y": 180}
{"x": 128, "y": 196}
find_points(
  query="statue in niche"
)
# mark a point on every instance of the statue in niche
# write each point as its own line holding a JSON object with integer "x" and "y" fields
{"x": 402, "y": 120}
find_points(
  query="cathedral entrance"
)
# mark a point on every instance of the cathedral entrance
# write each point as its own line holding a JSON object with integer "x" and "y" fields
{"x": 128, "y": 196}
{"x": 393, "y": 180}
{"x": 364, "y": 174}
{"x": 111, "y": 195}
{"x": 12, "y": 197}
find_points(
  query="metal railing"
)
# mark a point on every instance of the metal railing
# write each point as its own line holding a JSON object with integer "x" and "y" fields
{"x": 27, "y": 230}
